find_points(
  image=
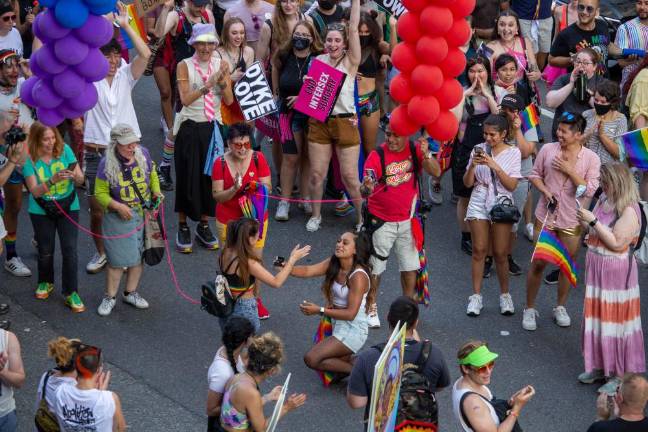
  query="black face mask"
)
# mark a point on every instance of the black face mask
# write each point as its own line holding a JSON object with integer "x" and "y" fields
{"x": 300, "y": 43}
{"x": 602, "y": 109}
{"x": 365, "y": 41}
{"x": 326, "y": 4}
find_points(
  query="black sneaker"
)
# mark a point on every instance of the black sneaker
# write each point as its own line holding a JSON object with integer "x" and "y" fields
{"x": 552, "y": 277}
{"x": 514, "y": 268}
{"x": 183, "y": 239}
{"x": 205, "y": 237}
{"x": 466, "y": 246}
{"x": 164, "y": 175}
{"x": 488, "y": 266}
{"x": 384, "y": 121}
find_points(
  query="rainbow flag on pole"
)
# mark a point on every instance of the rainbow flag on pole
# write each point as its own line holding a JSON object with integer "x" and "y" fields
{"x": 635, "y": 147}
{"x": 530, "y": 118}
{"x": 137, "y": 24}
{"x": 324, "y": 330}
{"x": 549, "y": 248}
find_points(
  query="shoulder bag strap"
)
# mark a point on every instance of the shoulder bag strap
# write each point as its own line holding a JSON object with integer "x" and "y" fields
{"x": 44, "y": 389}
{"x": 423, "y": 357}
{"x": 415, "y": 162}
{"x": 492, "y": 173}
{"x": 461, "y": 409}
{"x": 381, "y": 155}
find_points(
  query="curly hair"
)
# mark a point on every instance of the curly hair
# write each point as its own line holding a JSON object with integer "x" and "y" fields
{"x": 63, "y": 350}
{"x": 265, "y": 352}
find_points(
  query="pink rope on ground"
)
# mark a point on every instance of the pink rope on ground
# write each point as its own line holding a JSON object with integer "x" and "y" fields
{"x": 89, "y": 232}
{"x": 329, "y": 201}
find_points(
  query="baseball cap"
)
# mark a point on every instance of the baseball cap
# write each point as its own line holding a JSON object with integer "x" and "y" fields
{"x": 123, "y": 134}
{"x": 203, "y": 33}
{"x": 479, "y": 357}
{"x": 513, "y": 101}
{"x": 200, "y": 3}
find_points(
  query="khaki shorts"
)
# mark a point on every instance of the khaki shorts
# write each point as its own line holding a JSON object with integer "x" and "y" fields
{"x": 399, "y": 236}
{"x": 222, "y": 234}
{"x": 541, "y": 41}
{"x": 340, "y": 131}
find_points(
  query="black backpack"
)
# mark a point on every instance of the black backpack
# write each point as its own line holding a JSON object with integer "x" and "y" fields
{"x": 416, "y": 401}
{"x": 217, "y": 298}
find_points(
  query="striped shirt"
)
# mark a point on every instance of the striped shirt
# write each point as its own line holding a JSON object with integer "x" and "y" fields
{"x": 632, "y": 34}
{"x": 618, "y": 126}
{"x": 509, "y": 160}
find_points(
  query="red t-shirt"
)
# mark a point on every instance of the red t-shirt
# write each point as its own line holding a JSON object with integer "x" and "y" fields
{"x": 230, "y": 210}
{"x": 393, "y": 202}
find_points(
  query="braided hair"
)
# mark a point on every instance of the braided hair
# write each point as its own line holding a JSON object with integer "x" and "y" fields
{"x": 236, "y": 332}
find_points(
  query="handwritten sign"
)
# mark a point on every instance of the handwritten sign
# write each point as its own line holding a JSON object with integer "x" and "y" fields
{"x": 394, "y": 7}
{"x": 321, "y": 88}
{"x": 145, "y": 6}
{"x": 253, "y": 93}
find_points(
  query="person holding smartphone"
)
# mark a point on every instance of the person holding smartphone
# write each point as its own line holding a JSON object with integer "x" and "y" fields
{"x": 51, "y": 173}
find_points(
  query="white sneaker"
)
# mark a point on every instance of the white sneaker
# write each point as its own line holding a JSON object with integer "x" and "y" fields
{"x": 506, "y": 304}
{"x": 529, "y": 319}
{"x": 561, "y": 317}
{"x": 97, "y": 263}
{"x": 106, "y": 306}
{"x": 283, "y": 208}
{"x": 306, "y": 207}
{"x": 373, "y": 320}
{"x": 16, "y": 267}
{"x": 436, "y": 195}
{"x": 164, "y": 126}
{"x": 313, "y": 224}
{"x": 134, "y": 299}
{"x": 528, "y": 231}
{"x": 474, "y": 305}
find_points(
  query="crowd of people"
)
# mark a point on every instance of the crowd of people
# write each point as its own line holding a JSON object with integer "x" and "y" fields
{"x": 575, "y": 184}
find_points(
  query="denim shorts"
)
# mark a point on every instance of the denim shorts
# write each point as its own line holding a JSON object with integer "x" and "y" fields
{"x": 9, "y": 422}
{"x": 123, "y": 252}
{"x": 352, "y": 334}
{"x": 16, "y": 177}
{"x": 91, "y": 158}
{"x": 246, "y": 308}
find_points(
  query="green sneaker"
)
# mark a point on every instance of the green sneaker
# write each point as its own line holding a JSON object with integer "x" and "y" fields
{"x": 44, "y": 289}
{"x": 73, "y": 301}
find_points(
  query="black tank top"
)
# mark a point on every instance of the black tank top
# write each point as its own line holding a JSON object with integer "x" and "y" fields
{"x": 369, "y": 67}
{"x": 293, "y": 70}
{"x": 181, "y": 47}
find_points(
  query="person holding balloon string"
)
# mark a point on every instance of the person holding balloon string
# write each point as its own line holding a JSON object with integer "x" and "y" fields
{"x": 339, "y": 132}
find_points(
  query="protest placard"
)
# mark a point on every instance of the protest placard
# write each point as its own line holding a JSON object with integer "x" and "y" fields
{"x": 394, "y": 7}
{"x": 272, "y": 424}
{"x": 321, "y": 88}
{"x": 145, "y": 6}
{"x": 385, "y": 389}
{"x": 253, "y": 93}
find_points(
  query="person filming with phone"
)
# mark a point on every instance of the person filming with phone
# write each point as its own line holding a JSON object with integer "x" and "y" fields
{"x": 52, "y": 174}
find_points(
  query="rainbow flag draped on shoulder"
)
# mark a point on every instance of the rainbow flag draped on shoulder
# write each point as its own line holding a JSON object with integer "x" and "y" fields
{"x": 634, "y": 145}
{"x": 549, "y": 248}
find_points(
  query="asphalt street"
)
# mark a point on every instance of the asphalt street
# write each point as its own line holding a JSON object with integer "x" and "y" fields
{"x": 159, "y": 357}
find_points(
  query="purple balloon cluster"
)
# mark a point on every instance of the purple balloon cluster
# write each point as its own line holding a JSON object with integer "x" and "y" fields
{"x": 66, "y": 66}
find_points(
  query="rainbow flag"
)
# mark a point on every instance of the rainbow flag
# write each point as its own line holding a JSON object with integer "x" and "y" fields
{"x": 137, "y": 24}
{"x": 530, "y": 118}
{"x": 254, "y": 204}
{"x": 634, "y": 145}
{"x": 549, "y": 248}
{"x": 324, "y": 330}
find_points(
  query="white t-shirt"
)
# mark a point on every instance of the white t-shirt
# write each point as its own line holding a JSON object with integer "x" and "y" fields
{"x": 84, "y": 410}
{"x": 221, "y": 371}
{"x": 114, "y": 106}
{"x": 8, "y": 101}
{"x": 12, "y": 41}
{"x": 53, "y": 383}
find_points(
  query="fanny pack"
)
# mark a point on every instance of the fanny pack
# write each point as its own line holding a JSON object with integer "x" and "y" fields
{"x": 50, "y": 208}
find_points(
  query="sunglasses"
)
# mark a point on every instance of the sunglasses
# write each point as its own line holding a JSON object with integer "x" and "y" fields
{"x": 485, "y": 368}
{"x": 336, "y": 26}
{"x": 9, "y": 18}
{"x": 567, "y": 117}
{"x": 588, "y": 9}
{"x": 255, "y": 20}
{"x": 240, "y": 145}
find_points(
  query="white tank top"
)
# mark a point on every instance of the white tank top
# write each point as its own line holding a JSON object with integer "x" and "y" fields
{"x": 196, "y": 111}
{"x": 345, "y": 103}
{"x": 7, "y": 402}
{"x": 90, "y": 409}
{"x": 341, "y": 292}
{"x": 457, "y": 393}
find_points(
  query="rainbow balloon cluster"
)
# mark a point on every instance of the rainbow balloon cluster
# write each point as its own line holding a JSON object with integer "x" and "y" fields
{"x": 429, "y": 61}
{"x": 65, "y": 67}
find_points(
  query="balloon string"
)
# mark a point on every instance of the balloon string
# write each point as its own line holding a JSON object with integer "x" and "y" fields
{"x": 93, "y": 234}
{"x": 323, "y": 201}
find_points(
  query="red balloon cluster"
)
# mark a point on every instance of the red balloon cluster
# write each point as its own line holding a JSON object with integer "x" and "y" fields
{"x": 429, "y": 61}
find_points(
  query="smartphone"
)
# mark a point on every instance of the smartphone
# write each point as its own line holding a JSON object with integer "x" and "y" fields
{"x": 279, "y": 261}
{"x": 72, "y": 166}
{"x": 371, "y": 173}
{"x": 552, "y": 204}
{"x": 578, "y": 205}
{"x": 479, "y": 151}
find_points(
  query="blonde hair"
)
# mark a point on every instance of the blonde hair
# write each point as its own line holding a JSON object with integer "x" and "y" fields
{"x": 62, "y": 350}
{"x": 620, "y": 187}
{"x": 265, "y": 352}
{"x": 280, "y": 23}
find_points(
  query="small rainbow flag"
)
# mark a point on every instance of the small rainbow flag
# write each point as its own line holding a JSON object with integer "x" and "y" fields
{"x": 324, "y": 330}
{"x": 530, "y": 118}
{"x": 136, "y": 23}
{"x": 254, "y": 204}
{"x": 549, "y": 248}
{"x": 635, "y": 146}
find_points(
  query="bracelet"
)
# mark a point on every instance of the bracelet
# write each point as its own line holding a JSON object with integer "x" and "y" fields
{"x": 514, "y": 414}
{"x": 321, "y": 311}
{"x": 594, "y": 222}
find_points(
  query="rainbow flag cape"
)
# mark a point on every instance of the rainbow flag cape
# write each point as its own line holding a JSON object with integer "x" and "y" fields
{"x": 254, "y": 204}
{"x": 549, "y": 248}
{"x": 136, "y": 23}
{"x": 530, "y": 118}
{"x": 324, "y": 330}
{"x": 634, "y": 145}
{"x": 422, "y": 278}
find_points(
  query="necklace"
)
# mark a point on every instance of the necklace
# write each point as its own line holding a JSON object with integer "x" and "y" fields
{"x": 300, "y": 68}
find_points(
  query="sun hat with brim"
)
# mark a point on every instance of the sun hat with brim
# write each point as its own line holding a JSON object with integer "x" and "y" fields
{"x": 479, "y": 357}
{"x": 123, "y": 134}
{"x": 203, "y": 33}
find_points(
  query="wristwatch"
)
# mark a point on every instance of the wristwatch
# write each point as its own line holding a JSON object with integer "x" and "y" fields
{"x": 593, "y": 223}
{"x": 321, "y": 311}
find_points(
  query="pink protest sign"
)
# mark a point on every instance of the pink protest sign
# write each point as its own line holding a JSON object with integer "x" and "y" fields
{"x": 321, "y": 88}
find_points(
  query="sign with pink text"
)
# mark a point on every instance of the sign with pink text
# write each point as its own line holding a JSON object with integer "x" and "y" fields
{"x": 321, "y": 88}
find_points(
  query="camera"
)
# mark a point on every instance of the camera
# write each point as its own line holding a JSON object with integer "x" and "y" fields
{"x": 14, "y": 135}
{"x": 425, "y": 206}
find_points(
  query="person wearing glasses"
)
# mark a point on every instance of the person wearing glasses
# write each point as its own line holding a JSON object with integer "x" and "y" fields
{"x": 9, "y": 35}
{"x": 560, "y": 170}
{"x": 568, "y": 94}
{"x": 472, "y": 400}
{"x": 253, "y": 13}
{"x": 586, "y": 32}
{"x": 89, "y": 402}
